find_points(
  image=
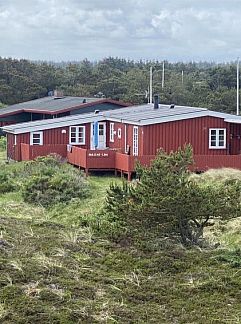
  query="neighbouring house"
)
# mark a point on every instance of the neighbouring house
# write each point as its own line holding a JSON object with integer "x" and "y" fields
{"x": 115, "y": 140}
{"x": 55, "y": 106}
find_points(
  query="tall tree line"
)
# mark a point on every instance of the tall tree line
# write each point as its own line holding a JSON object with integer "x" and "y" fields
{"x": 196, "y": 84}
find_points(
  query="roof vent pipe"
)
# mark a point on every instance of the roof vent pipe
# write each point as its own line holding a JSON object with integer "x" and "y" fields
{"x": 156, "y": 102}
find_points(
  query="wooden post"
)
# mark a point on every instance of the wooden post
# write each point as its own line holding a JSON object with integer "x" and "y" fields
{"x": 129, "y": 176}
{"x": 115, "y": 173}
{"x": 86, "y": 172}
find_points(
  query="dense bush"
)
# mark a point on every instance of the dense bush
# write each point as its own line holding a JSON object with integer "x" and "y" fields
{"x": 7, "y": 183}
{"x": 50, "y": 181}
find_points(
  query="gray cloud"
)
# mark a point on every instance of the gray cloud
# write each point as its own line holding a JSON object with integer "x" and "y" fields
{"x": 148, "y": 29}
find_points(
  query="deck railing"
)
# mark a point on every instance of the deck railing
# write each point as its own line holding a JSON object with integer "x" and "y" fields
{"x": 91, "y": 159}
{"x": 107, "y": 159}
{"x": 110, "y": 159}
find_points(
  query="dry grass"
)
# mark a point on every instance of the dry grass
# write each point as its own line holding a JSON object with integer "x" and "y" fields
{"x": 217, "y": 175}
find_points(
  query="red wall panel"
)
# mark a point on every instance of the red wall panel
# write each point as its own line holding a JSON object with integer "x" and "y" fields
{"x": 119, "y": 143}
{"x": 172, "y": 135}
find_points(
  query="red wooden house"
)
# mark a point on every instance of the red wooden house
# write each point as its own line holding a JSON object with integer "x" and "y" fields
{"x": 114, "y": 140}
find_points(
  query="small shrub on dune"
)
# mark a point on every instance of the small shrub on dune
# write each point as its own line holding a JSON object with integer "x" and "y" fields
{"x": 50, "y": 182}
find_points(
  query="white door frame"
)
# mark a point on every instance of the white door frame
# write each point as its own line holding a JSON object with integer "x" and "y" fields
{"x": 102, "y": 147}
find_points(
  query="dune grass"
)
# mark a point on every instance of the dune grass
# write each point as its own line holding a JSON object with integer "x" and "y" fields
{"x": 54, "y": 268}
{"x": 50, "y": 273}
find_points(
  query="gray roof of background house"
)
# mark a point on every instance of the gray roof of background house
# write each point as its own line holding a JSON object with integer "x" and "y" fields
{"x": 50, "y": 104}
{"x": 141, "y": 115}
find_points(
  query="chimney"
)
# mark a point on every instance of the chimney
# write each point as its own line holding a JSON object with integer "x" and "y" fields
{"x": 172, "y": 106}
{"x": 58, "y": 93}
{"x": 156, "y": 102}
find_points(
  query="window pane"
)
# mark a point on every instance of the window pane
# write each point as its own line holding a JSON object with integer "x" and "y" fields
{"x": 221, "y": 143}
{"x": 81, "y": 135}
{"x": 101, "y": 129}
{"x": 213, "y": 143}
{"x": 36, "y": 138}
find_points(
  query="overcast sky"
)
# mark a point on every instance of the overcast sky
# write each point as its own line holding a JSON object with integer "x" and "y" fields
{"x": 174, "y": 30}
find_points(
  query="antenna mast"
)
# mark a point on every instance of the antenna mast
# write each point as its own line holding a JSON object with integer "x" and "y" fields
{"x": 151, "y": 88}
{"x": 163, "y": 73}
{"x": 237, "y": 86}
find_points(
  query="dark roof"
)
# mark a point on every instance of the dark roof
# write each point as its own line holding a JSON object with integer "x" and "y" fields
{"x": 55, "y": 105}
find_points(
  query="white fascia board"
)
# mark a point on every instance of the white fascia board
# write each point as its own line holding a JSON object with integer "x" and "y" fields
{"x": 123, "y": 121}
{"x": 234, "y": 121}
{"x": 220, "y": 115}
{"x": 18, "y": 129}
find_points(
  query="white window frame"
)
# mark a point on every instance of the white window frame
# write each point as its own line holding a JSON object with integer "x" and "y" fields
{"x": 40, "y": 138}
{"x": 119, "y": 133}
{"x": 77, "y": 131}
{"x": 217, "y": 146}
{"x": 112, "y": 132}
{"x": 135, "y": 140}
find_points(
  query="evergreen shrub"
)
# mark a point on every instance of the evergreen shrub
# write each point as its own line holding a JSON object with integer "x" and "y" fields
{"x": 50, "y": 181}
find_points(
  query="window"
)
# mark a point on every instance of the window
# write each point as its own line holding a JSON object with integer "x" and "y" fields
{"x": 217, "y": 138}
{"x": 135, "y": 140}
{"x": 36, "y": 138}
{"x": 77, "y": 135}
{"x": 119, "y": 133}
{"x": 112, "y": 139}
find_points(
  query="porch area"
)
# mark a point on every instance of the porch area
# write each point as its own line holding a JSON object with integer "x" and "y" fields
{"x": 105, "y": 160}
{"x": 98, "y": 160}
{"x": 111, "y": 160}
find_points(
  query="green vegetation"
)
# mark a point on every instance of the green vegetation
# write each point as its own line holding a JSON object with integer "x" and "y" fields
{"x": 204, "y": 84}
{"x": 167, "y": 201}
{"x": 3, "y": 144}
{"x": 50, "y": 181}
{"x": 61, "y": 265}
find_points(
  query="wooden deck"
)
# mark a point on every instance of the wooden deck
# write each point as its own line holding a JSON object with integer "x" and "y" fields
{"x": 116, "y": 161}
{"x": 112, "y": 160}
{"x": 105, "y": 160}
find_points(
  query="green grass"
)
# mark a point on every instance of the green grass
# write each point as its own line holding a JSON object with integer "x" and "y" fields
{"x": 54, "y": 268}
{"x": 3, "y": 156}
{"x": 12, "y": 205}
{"x": 51, "y": 273}
{"x": 78, "y": 211}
